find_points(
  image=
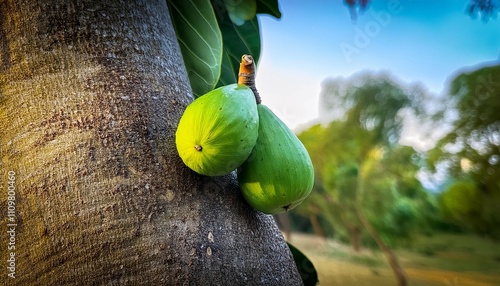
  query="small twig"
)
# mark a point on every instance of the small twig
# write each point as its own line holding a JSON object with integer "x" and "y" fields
{"x": 246, "y": 75}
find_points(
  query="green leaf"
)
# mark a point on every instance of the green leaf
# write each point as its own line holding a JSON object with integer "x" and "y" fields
{"x": 241, "y": 10}
{"x": 229, "y": 71}
{"x": 238, "y": 40}
{"x": 305, "y": 267}
{"x": 268, "y": 7}
{"x": 200, "y": 41}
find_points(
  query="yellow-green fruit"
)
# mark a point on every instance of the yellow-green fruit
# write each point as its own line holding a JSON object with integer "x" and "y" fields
{"x": 279, "y": 173}
{"x": 218, "y": 130}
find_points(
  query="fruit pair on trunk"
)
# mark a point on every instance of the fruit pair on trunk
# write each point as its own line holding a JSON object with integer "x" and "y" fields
{"x": 226, "y": 129}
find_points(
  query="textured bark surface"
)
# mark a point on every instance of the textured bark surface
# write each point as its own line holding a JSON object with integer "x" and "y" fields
{"x": 90, "y": 96}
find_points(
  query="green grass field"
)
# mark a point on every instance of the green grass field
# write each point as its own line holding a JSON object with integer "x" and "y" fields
{"x": 441, "y": 259}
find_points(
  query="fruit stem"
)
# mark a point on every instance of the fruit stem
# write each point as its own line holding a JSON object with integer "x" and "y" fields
{"x": 246, "y": 75}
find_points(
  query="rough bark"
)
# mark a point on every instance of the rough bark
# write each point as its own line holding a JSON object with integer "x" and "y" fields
{"x": 90, "y": 96}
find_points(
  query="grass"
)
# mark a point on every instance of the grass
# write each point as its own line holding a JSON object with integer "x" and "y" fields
{"x": 441, "y": 259}
{"x": 456, "y": 253}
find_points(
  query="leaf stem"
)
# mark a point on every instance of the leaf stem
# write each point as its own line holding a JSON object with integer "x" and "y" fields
{"x": 246, "y": 75}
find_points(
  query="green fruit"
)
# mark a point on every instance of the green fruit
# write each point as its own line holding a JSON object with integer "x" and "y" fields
{"x": 279, "y": 173}
{"x": 218, "y": 130}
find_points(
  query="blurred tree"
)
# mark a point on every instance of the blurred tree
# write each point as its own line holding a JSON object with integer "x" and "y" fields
{"x": 366, "y": 178}
{"x": 471, "y": 150}
{"x": 355, "y": 7}
{"x": 395, "y": 198}
{"x": 485, "y": 9}
{"x": 461, "y": 203}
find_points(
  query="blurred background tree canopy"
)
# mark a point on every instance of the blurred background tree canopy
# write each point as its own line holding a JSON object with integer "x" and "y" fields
{"x": 470, "y": 152}
{"x": 360, "y": 163}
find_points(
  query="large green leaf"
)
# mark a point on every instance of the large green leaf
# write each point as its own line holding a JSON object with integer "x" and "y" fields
{"x": 200, "y": 40}
{"x": 239, "y": 40}
{"x": 268, "y": 7}
{"x": 241, "y": 10}
{"x": 304, "y": 266}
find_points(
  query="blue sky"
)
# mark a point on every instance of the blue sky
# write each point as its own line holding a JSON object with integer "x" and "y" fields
{"x": 417, "y": 41}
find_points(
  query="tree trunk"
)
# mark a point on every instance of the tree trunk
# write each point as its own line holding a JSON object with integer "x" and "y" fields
{"x": 355, "y": 238}
{"x": 317, "y": 226}
{"x": 391, "y": 257}
{"x": 90, "y": 96}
